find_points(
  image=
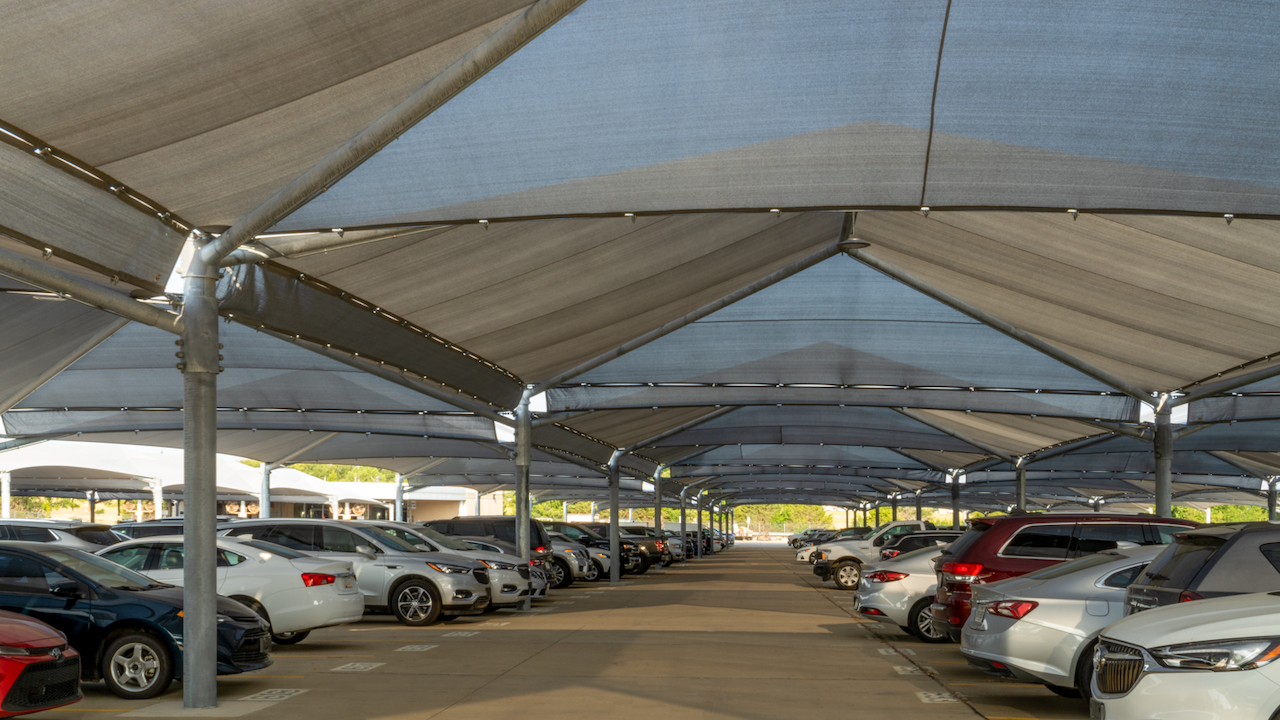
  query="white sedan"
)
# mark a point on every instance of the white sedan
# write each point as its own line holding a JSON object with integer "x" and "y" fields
{"x": 900, "y": 590}
{"x": 293, "y": 591}
{"x": 1203, "y": 660}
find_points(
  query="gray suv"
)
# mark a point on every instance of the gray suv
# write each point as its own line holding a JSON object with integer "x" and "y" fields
{"x": 1210, "y": 562}
{"x": 89, "y": 537}
{"x": 417, "y": 587}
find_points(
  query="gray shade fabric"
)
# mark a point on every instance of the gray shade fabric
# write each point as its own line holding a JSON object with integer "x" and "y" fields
{"x": 613, "y": 279}
{"x": 272, "y": 297}
{"x": 840, "y": 332}
{"x": 240, "y": 97}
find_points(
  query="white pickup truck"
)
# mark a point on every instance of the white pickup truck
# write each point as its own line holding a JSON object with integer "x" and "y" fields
{"x": 842, "y": 560}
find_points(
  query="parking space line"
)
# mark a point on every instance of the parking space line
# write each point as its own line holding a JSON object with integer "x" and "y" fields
{"x": 415, "y": 648}
{"x": 357, "y": 667}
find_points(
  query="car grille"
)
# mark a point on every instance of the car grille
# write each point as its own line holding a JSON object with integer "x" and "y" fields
{"x": 254, "y": 649}
{"x": 524, "y": 571}
{"x": 481, "y": 576}
{"x": 44, "y": 684}
{"x": 1119, "y": 668}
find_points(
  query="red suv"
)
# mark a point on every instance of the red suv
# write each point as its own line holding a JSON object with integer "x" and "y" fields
{"x": 996, "y": 548}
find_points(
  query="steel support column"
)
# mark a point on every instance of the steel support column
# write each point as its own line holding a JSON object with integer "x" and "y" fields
{"x": 955, "y": 502}
{"x": 1163, "y": 447}
{"x": 1022, "y": 484}
{"x": 684, "y": 527}
{"x": 399, "y": 513}
{"x": 6, "y": 499}
{"x": 919, "y": 510}
{"x": 615, "y": 531}
{"x": 157, "y": 498}
{"x": 264, "y": 491}
{"x": 199, "y": 365}
{"x": 524, "y": 459}
{"x": 1271, "y": 499}
{"x": 698, "y": 499}
{"x": 657, "y": 501}
{"x": 893, "y": 507}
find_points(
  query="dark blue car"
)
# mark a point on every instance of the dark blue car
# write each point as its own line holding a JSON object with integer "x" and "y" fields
{"x": 126, "y": 627}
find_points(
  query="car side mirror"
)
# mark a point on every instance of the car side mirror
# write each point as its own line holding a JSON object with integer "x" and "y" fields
{"x": 878, "y": 542}
{"x": 367, "y": 551}
{"x": 66, "y": 589}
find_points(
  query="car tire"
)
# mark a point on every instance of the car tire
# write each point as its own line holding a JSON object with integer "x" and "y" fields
{"x": 1065, "y": 692}
{"x": 1084, "y": 671}
{"x": 595, "y": 571}
{"x": 642, "y": 568}
{"x": 449, "y": 618}
{"x": 561, "y": 574}
{"x": 847, "y": 574}
{"x": 415, "y": 603}
{"x": 920, "y": 622}
{"x": 137, "y": 666}
{"x": 291, "y": 638}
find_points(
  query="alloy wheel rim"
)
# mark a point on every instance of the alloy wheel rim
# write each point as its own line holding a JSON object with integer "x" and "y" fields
{"x": 924, "y": 621}
{"x": 135, "y": 666}
{"x": 415, "y": 603}
{"x": 849, "y": 575}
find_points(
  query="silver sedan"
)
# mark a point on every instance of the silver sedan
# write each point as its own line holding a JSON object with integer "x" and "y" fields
{"x": 1042, "y": 627}
{"x": 900, "y": 590}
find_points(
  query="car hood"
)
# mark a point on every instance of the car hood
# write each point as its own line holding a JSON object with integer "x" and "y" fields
{"x": 1236, "y": 616}
{"x": 174, "y": 596}
{"x": 22, "y": 631}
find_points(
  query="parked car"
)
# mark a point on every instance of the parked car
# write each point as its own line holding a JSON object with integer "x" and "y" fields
{"x": 900, "y": 590}
{"x": 1209, "y": 660}
{"x": 569, "y": 561}
{"x": 665, "y": 557}
{"x": 414, "y": 586}
{"x": 1210, "y": 562}
{"x": 294, "y": 592}
{"x": 509, "y": 582}
{"x": 499, "y": 527}
{"x": 795, "y": 540}
{"x": 1042, "y": 627}
{"x": 675, "y": 544}
{"x": 844, "y": 559}
{"x": 539, "y": 581}
{"x": 158, "y": 526}
{"x": 127, "y": 627}
{"x": 597, "y": 547}
{"x": 39, "y": 670}
{"x": 996, "y": 548}
{"x": 903, "y": 544}
{"x": 90, "y": 537}
{"x": 651, "y": 550}
{"x": 598, "y": 560}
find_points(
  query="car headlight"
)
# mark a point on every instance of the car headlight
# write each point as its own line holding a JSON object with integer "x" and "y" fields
{"x": 11, "y": 650}
{"x": 491, "y": 563}
{"x": 820, "y": 555}
{"x": 449, "y": 569}
{"x": 1243, "y": 654}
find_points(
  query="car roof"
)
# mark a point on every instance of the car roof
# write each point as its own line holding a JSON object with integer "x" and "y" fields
{"x": 50, "y": 522}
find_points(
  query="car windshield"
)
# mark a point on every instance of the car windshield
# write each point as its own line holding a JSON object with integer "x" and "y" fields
{"x": 100, "y": 570}
{"x": 442, "y": 540}
{"x": 913, "y": 554}
{"x": 274, "y": 549}
{"x": 1071, "y": 566}
{"x": 389, "y": 537}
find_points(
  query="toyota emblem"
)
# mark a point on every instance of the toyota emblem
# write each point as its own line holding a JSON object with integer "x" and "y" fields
{"x": 56, "y": 653}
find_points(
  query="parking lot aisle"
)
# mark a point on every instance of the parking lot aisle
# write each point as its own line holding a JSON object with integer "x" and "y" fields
{"x": 739, "y": 635}
{"x": 993, "y": 698}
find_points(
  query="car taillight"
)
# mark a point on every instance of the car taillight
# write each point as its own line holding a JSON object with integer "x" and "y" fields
{"x": 890, "y": 553}
{"x": 870, "y": 611}
{"x": 962, "y": 572}
{"x": 662, "y": 545}
{"x": 884, "y": 576}
{"x": 540, "y": 549}
{"x": 1189, "y": 596}
{"x": 314, "y": 579}
{"x": 1016, "y": 609}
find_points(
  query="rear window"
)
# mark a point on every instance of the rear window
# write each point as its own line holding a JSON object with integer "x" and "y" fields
{"x": 97, "y": 536}
{"x": 31, "y": 534}
{"x": 278, "y": 550}
{"x": 969, "y": 537}
{"x": 1040, "y": 541}
{"x": 1178, "y": 568}
{"x": 146, "y": 531}
{"x": 1095, "y": 537}
{"x": 1271, "y": 551}
{"x": 1066, "y": 568}
{"x": 1125, "y": 577}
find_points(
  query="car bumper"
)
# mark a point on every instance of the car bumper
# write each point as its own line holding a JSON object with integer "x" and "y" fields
{"x": 1241, "y": 695}
{"x": 506, "y": 588}
{"x": 242, "y": 648}
{"x": 302, "y": 609}
{"x": 822, "y": 569}
{"x": 1029, "y": 651}
{"x": 39, "y": 682}
{"x": 459, "y": 593}
{"x": 885, "y": 602}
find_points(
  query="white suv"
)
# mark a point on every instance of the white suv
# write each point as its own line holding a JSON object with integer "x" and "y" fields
{"x": 843, "y": 560}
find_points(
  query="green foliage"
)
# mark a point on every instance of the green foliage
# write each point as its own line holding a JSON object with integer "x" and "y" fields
{"x": 1223, "y": 513}
{"x": 339, "y": 473}
{"x": 40, "y": 507}
{"x": 782, "y": 518}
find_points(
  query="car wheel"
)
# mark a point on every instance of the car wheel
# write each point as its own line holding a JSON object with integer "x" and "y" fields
{"x": 415, "y": 602}
{"x": 561, "y": 575}
{"x": 920, "y": 622}
{"x": 847, "y": 574}
{"x": 642, "y": 568}
{"x": 449, "y": 618}
{"x": 290, "y": 638}
{"x": 1084, "y": 671}
{"x": 594, "y": 571}
{"x": 137, "y": 666}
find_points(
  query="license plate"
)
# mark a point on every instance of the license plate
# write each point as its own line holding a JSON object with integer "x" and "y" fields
{"x": 1097, "y": 711}
{"x": 979, "y": 613}
{"x": 348, "y": 582}
{"x": 264, "y": 645}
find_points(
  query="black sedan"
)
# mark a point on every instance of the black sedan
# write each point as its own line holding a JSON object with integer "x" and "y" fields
{"x": 126, "y": 627}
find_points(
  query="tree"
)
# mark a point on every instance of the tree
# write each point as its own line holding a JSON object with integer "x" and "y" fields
{"x": 777, "y": 518}
{"x": 40, "y": 507}
{"x": 339, "y": 473}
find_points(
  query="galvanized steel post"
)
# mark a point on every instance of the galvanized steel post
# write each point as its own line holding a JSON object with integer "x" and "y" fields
{"x": 893, "y": 507}
{"x": 1271, "y": 498}
{"x": 199, "y": 365}
{"x": 615, "y": 532}
{"x": 684, "y": 530}
{"x": 1163, "y": 447}
{"x": 6, "y": 500}
{"x": 955, "y": 502}
{"x": 264, "y": 491}
{"x": 524, "y": 452}
{"x": 1021, "y": 467}
{"x": 919, "y": 510}
{"x": 657, "y": 502}
{"x": 698, "y": 499}
{"x": 399, "y": 513}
